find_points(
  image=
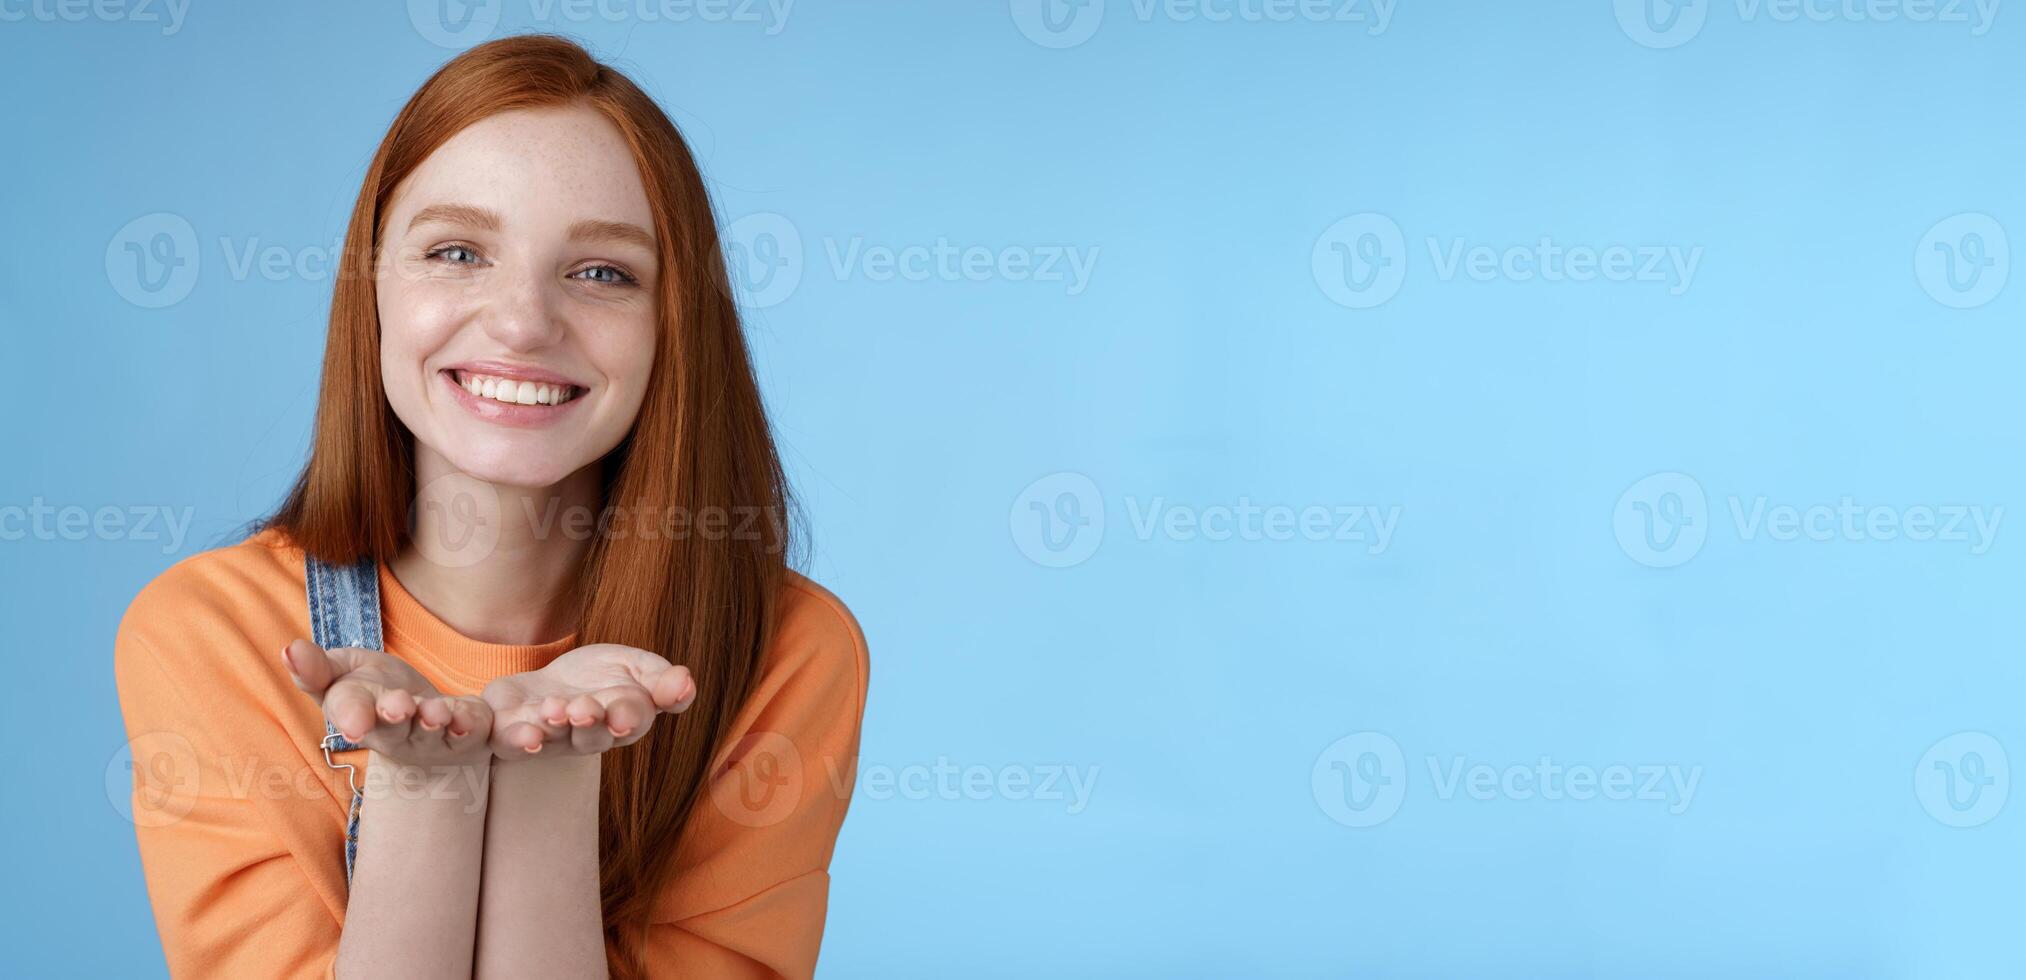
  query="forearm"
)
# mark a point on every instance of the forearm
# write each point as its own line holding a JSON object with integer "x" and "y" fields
{"x": 539, "y": 906}
{"x": 413, "y": 910}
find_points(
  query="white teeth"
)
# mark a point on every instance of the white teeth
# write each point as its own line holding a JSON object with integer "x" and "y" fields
{"x": 512, "y": 392}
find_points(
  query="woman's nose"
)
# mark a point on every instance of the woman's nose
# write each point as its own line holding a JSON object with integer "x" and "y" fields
{"x": 523, "y": 313}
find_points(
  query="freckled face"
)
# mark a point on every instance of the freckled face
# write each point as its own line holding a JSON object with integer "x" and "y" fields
{"x": 517, "y": 296}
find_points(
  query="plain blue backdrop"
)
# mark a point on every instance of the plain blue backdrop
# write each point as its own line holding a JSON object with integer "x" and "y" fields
{"x": 1458, "y": 489}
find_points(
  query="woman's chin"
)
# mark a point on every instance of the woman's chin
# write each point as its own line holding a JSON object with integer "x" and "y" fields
{"x": 509, "y": 472}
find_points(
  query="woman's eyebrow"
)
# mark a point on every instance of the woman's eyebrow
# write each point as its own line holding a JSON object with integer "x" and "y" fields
{"x": 593, "y": 230}
{"x": 467, "y": 215}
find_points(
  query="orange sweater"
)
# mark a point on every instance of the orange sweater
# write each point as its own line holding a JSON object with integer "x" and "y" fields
{"x": 242, "y": 826}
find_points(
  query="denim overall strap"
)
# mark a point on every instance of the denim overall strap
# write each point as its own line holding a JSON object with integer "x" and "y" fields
{"x": 344, "y": 612}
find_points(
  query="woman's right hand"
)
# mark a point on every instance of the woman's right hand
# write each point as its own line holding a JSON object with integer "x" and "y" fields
{"x": 376, "y": 700}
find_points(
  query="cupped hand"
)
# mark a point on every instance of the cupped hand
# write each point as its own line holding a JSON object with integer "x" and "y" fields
{"x": 586, "y": 701}
{"x": 375, "y": 699}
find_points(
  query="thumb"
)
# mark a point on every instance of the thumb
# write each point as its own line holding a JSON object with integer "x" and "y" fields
{"x": 309, "y": 667}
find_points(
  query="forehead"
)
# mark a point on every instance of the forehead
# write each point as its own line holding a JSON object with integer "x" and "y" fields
{"x": 533, "y": 166}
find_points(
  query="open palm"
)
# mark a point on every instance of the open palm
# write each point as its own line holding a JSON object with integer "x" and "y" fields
{"x": 377, "y": 700}
{"x": 586, "y": 701}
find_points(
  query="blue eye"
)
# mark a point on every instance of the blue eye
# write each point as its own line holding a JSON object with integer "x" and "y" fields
{"x": 457, "y": 254}
{"x": 606, "y": 274}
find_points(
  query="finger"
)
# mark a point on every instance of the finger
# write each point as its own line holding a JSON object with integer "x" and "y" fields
{"x": 468, "y": 717}
{"x": 395, "y": 706}
{"x": 519, "y": 738}
{"x": 308, "y": 667}
{"x": 627, "y": 710}
{"x": 585, "y": 711}
{"x": 433, "y": 713}
{"x": 672, "y": 689}
{"x": 350, "y": 706}
{"x": 644, "y": 666}
{"x": 590, "y": 739}
{"x": 555, "y": 712}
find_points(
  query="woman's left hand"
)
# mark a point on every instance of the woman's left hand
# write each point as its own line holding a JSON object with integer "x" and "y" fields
{"x": 591, "y": 699}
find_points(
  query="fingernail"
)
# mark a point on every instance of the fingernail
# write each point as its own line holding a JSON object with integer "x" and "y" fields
{"x": 580, "y": 720}
{"x": 532, "y": 749}
{"x": 621, "y": 732}
{"x": 457, "y": 734}
{"x": 289, "y": 658}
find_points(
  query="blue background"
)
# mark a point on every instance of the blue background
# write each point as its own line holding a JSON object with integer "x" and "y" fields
{"x": 1209, "y": 687}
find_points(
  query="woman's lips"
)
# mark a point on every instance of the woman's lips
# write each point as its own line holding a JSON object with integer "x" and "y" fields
{"x": 504, "y": 400}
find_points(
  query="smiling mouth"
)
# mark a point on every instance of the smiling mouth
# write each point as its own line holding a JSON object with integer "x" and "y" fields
{"x": 513, "y": 391}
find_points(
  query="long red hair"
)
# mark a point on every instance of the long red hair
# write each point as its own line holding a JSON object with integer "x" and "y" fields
{"x": 701, "y": 445}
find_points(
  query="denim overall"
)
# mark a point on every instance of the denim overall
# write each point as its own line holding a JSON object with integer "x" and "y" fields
{"x": 344, "y": 612}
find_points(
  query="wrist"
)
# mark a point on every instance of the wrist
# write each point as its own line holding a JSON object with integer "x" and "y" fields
{"x": 548, "y": 766}
{"x": 463, "y": 784}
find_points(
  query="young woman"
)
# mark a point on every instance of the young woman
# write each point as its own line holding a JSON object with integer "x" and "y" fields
{"x": 530, "y": 595}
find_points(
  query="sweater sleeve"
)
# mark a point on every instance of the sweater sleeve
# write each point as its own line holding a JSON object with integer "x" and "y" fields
{"x": 751, "y": 894}
{"x": 224, "y": 806}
